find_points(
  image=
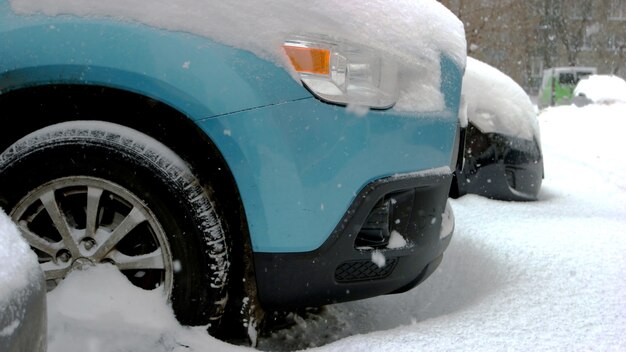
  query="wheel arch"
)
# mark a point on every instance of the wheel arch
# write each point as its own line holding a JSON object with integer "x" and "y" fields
{"x": 45, "y": 105}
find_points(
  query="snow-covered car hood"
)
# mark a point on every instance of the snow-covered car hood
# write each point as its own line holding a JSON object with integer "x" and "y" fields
{"x": 496, "y": 103}
{"x": 415, "y": 33}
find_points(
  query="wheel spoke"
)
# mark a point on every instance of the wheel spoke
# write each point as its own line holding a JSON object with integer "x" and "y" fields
{"x": 134, "y": 218}
{"x": 93, "y": 201}
{"x": 41, "y": 244}
{"x": 97, "y": 234}
{"x": 152, "y": 260}
{"x": 52, "y": 207}
{"x": 53, "y": 272}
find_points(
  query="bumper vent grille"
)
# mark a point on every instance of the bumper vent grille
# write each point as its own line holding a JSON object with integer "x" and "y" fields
{"x": 363, "y": 270}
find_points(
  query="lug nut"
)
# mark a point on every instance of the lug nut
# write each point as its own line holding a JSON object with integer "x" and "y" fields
{"x": 64, "y": 256}
{"x": 89, "y": 243}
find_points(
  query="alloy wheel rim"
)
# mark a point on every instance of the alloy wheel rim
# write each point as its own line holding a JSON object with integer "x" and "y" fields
{"x": 76, "y": 222}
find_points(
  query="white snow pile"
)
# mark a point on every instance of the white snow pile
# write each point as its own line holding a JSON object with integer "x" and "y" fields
{"x": 99, "y": 310}
{"x": 594, "y": 137}
{"x": 602, "y": 89}
{"x": 496, "y": 103}
{"x": 413, "y": 32}
{"x": 18, "y": 263}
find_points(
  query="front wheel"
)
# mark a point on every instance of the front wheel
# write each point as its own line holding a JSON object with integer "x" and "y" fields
{"x": 88, "y": 192}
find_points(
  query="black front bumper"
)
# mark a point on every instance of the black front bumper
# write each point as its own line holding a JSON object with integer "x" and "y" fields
{"x": 498, "y": 166}
{"x": 343, "y": 269}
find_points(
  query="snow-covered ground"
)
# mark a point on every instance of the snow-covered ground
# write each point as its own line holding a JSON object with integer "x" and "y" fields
{"x": 545, "y": 275}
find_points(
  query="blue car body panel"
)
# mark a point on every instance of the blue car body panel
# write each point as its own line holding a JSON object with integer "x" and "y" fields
{"x": 198, "y": 77}
{"x": 298, "y": 163}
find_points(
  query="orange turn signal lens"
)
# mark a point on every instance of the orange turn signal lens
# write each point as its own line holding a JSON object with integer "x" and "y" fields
{"x": 309, "y": 60}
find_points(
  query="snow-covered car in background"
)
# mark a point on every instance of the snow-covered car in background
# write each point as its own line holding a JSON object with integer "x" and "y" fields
{"x": 501, "y": 156}
{"x": 232, "y": 155}
{"x": 23, "y": 316}
{"x": 600, "y": 89}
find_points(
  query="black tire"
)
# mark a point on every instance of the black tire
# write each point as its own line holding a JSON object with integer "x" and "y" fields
{"x": 127, "y": 172}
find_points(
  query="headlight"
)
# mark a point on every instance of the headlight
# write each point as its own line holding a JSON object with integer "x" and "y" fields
{"x": 343, "y": 73}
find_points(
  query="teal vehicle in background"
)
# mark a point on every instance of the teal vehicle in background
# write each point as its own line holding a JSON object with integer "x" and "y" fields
{"x": 233, "y": 184}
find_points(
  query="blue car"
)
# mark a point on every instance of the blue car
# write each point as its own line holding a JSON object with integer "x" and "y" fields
{"x": 236, "y": 185}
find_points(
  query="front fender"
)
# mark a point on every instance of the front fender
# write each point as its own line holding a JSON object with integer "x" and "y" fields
{"x": 193, "y": 74}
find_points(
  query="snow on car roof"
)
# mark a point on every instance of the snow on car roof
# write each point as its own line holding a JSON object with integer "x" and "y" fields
{"x": 496, "y": 103}
{"x": 413, "y": 32}
{"x": 602, "y": 89}
{"x": 570, "y": 69}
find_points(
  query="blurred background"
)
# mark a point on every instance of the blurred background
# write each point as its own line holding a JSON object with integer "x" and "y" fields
{"x": 524, "y": 38}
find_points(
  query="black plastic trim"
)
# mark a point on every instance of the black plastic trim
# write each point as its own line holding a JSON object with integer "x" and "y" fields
{"x": 308, "y": 279}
